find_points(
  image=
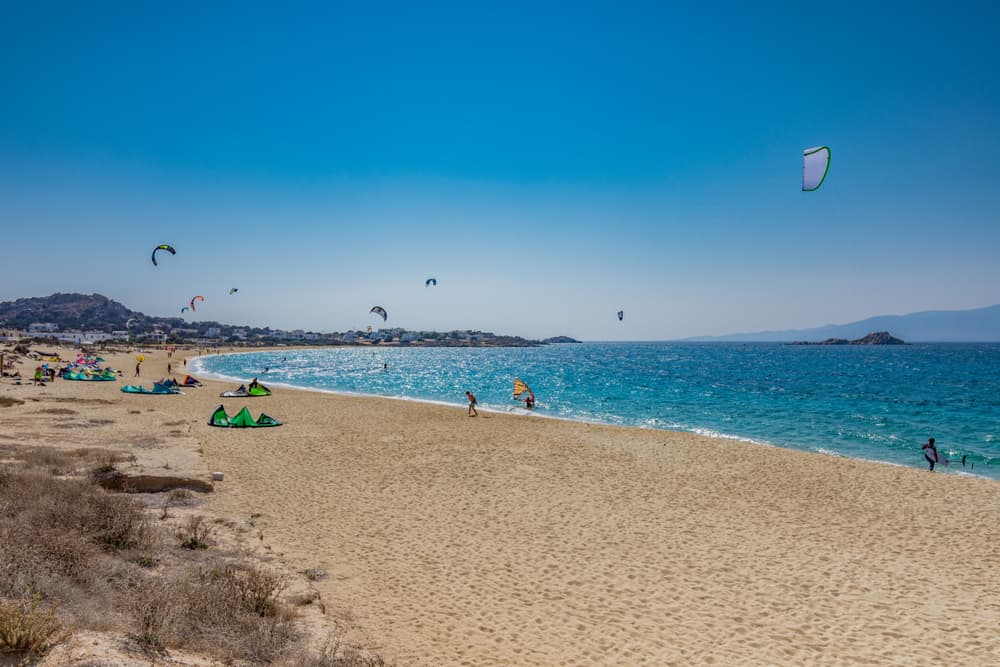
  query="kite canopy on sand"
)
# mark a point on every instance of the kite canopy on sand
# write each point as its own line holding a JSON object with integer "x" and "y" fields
{"x": 815, "y": 164}
{"x": 165, "y": 247}
{"x": 241, "y": 419}
{"x": 158, "y": 388}
{"x": 380, "y": 311}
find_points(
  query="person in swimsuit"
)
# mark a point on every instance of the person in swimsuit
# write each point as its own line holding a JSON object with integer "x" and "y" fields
{"x": 472, "y": 404}
{"x": 930, "y": 453}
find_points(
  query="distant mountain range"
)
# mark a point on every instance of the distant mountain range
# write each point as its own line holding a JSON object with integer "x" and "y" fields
{"x": 979, "y": 325}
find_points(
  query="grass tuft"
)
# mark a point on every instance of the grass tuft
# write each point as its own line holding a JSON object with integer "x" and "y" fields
{"x": 27, "y": 627}
{"x": 194, "y": 533}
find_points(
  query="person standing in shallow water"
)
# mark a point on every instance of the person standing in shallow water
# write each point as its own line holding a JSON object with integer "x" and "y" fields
{"x": 930, "y": 453}
{"x": 472, "y": 404}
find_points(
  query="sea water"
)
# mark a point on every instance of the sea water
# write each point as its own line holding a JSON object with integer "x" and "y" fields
{"x": 875, "y": 403}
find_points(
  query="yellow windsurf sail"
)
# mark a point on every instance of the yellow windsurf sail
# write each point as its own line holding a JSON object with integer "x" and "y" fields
{"x": 521, "y": 388}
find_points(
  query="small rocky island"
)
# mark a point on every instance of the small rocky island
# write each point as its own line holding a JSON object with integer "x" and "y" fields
{"x": 876, "y": 338}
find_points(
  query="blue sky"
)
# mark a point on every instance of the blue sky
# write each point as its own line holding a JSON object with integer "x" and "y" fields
{"x": 547, "y": 164}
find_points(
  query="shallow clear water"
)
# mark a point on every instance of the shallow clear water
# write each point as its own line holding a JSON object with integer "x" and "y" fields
{"x": 877, "y": 403}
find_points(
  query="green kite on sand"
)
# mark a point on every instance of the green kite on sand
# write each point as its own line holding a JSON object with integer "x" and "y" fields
{"x": 241, "y": 419}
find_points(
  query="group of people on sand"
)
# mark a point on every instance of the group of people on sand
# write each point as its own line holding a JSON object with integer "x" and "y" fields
{"x": 529, "y": 402}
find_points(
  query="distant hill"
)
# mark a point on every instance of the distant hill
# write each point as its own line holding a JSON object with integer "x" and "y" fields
{"x": 90, "y": 312}
{"x": 979, "y": 325}
{"x": 874, "y": 338}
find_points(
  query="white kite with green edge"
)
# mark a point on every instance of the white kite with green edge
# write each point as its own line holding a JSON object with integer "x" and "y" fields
{"x": 815, "y": 164}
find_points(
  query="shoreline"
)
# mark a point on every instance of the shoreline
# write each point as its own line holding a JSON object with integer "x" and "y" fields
{"x": 514, "y": 411}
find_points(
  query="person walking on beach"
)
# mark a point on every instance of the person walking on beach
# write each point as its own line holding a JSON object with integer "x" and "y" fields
{"x": 930, "y": 453}
{"x": 472, "y": 404}
{"x": 169, "y": 368}
{"x": 138, "y": 364}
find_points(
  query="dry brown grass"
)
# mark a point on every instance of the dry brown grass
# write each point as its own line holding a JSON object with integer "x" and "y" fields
{"x": 75, "y": 555}
{"x": 180, "y": 497}
{"x": 195, "y": 533}
{"x": 27, "y": 627}
{"x": 228, "y": 611}
{"x": 73, "y": 507}
{"x": 333, "y": 653}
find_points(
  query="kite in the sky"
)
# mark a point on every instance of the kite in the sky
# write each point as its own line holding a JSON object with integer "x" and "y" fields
{"x": 196, "y": 298}
{"x": 184, "y": 310}
{"x": 431, "y": 281}
{"x": 169, "y": 249}
{"x": 380, "y": 311}
{"x": 621, "y": 315}
{"x": 815, "y": 164}
{"x": 130, "y": 322}
{"x": 234, "y": 291}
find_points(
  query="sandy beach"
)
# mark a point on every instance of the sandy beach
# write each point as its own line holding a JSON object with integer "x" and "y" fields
{"x": 513, "y": 540}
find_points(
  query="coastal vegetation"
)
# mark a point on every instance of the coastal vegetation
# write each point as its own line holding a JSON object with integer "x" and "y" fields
{"x": 77, "y": 558}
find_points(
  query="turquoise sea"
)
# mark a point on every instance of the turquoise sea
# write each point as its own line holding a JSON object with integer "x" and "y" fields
{"x": 873, "y": 403}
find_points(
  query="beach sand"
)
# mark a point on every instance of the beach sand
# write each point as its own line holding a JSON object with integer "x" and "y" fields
{"x": 516, "y": 540}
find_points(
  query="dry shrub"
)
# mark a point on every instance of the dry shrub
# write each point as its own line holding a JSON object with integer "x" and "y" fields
{"x": 232, "y": 612}
{"x": 28, "y": 628}
{"x": 194, "y": 533}
{"x": 52, "y": 460}
{"x": 10, "y": 401}
{"x": 180, "y": 497}
{"x": 332, "y": 654}
{"x": 117, "y": 523}
{"x": 154, "y": 608}
{"x": 315, "y": 574}
{"x": 107, "y": 464}
{"x": 74, "y": 507}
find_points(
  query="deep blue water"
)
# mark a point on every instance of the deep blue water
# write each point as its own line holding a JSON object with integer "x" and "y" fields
{"x": 877, "y": 403}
